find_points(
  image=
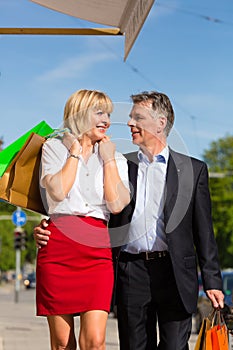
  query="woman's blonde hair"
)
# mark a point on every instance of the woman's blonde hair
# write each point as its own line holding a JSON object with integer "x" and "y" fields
{"x": 78, "y": 107}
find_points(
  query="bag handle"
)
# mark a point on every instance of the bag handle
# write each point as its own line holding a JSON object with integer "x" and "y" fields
{"x": 57, "y": 133}
{"x": 211, "y": 315}
{"x": 216, "y": 318}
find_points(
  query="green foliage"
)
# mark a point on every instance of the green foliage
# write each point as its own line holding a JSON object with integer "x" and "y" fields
{"x": 7, "y": 256}
{"x": 6, "y": 207}
{"x": 7, "y": 253}
{"x": 219, "y": 157}
{"x": 220, "y": 161}
{"x": 222, "y": 203}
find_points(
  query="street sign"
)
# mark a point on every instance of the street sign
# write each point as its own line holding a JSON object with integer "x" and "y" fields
{"x": 19, "y": 218}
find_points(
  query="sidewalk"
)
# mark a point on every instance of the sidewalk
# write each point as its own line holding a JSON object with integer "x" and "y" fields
{"x": 20, "y": 329}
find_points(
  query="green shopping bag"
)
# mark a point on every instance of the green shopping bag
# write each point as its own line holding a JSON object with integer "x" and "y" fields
{"x": 9, "y": 153}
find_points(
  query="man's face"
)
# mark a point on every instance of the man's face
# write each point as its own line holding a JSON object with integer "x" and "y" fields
{"x": 144, "y": 128}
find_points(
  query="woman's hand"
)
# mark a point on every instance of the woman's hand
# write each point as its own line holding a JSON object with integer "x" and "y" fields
{"x": 107, "y": 149}
{"x": 116, "y": 195}
{"x": 71, "y": 143}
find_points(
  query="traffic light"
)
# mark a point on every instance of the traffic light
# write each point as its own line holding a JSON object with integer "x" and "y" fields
{"x": 23, "y": 240}
{"x": 20, "y": 239}
{"x": 17, "y": 238}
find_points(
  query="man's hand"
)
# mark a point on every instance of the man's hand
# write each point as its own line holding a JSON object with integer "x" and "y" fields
{"x": 216, "y": 297}
{"x": 41, "y": 235}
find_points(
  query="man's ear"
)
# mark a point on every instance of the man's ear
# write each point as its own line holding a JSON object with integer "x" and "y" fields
{"x": 162, "y": 123}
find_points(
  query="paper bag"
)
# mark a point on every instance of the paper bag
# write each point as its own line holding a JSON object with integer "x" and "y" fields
{"x": 7, "y": 155}
{"x": 20, "y": 183}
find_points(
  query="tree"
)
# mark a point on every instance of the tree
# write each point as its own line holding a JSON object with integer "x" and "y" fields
{"x": 219, "y": 158}
{"x": 7, "y": 255}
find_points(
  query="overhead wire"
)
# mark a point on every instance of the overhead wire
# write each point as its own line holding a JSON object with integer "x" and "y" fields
{"x": 138, "y": 72}
{"x": 195, "y": 14}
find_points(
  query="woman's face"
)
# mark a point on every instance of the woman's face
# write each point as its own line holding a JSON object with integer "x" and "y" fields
{"x": 100, "y": 122}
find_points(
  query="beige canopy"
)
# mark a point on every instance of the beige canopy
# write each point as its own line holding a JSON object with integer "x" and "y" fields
{"x": 127, "y": 16}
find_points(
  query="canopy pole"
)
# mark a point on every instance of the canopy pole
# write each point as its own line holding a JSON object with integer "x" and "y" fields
{"x": 61, "y": 31}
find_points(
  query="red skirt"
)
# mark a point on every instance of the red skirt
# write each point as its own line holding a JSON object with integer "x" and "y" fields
{"x": 74, "y": 277}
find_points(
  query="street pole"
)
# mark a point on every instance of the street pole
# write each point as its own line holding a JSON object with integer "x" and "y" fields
{"x": 17, "y": 270}
{"x": 19, "y": 218}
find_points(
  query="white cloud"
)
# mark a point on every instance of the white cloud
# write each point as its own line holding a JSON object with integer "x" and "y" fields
{"x": 75, "y": 66}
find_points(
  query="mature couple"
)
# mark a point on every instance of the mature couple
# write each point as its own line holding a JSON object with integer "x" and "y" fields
{"x": 153, "y": 211}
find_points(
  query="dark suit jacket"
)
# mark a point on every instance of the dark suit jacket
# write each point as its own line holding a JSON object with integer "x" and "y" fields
{"x": 188, "y": 224}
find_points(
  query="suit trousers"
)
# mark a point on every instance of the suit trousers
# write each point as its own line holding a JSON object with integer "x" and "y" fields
{"x": 147, "y": 301}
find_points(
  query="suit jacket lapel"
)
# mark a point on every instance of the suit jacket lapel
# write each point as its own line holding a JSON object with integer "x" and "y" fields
{"x": 133, "y": 172}
{"x": 171, "y": 188}
{"x": 180, "y": 183}
{"x": 179, "y": 187}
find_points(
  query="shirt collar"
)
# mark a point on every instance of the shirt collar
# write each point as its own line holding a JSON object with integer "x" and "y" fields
{"x": 164, "y": 153}
{"x": 96, "y": 148}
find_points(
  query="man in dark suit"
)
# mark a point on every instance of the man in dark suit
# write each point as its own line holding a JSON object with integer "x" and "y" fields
{"x": 162, "y": 232}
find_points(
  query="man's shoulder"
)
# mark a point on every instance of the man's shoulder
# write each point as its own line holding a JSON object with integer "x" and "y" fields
{"x": 185, "y": 157}
{"x": 132, "y": 156}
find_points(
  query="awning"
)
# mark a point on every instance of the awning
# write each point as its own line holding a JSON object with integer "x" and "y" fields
{"x": 127, "y": 15}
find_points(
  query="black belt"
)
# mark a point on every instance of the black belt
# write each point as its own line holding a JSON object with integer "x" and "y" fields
{"x": 125, "y": 256}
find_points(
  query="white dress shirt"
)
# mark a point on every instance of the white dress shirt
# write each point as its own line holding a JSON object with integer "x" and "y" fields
{"x": 146, "y": 231}
{"x": 86, "y": 197}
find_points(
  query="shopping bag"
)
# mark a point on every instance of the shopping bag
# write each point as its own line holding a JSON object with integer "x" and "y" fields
{"x": 222, "y": 334}
{"x": 217, "y": 335}
{"x": 206, "y": 324}
{"x": 20, "y": 183}
{"x": 7, "y": 155}
{"x": 212, "y": 339}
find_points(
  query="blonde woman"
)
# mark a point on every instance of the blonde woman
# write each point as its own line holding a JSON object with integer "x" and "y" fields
{"x": 85, "y": 180}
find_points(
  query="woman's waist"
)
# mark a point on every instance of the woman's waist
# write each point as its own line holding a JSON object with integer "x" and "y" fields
{"x": 98, "y": 212}
{"x": 73, "y": 218}
{"x": 85, "y": 230}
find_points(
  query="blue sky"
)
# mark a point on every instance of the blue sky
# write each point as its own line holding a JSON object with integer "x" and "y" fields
{"x": 185, "y": 49}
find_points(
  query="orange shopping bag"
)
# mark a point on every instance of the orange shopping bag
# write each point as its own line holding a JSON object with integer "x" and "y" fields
{"x": 217, "y": 337}
{"x": 222, "y": 334}
{"x": 211, "y": 339}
